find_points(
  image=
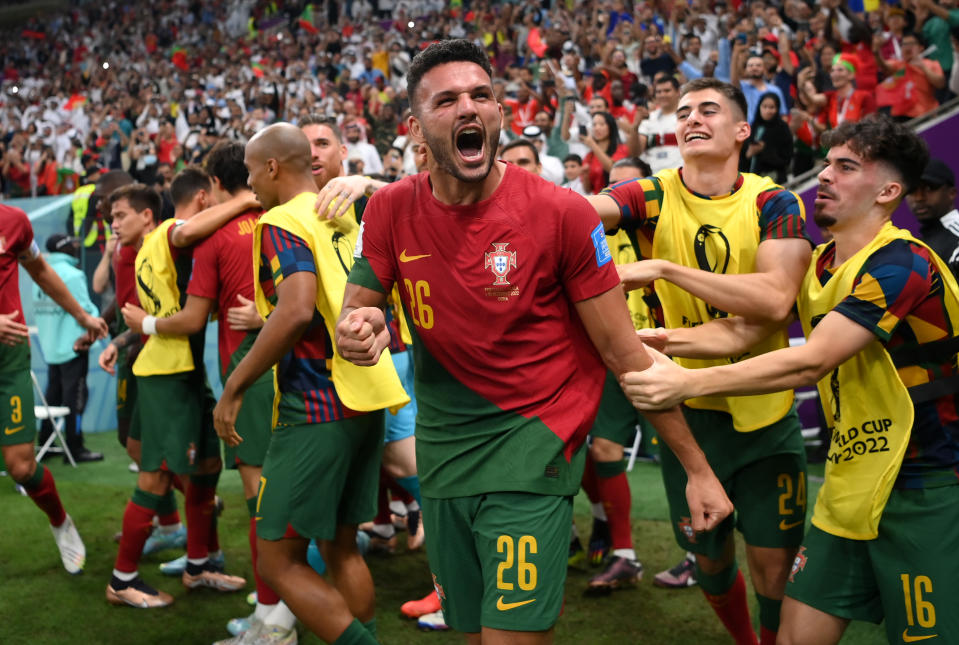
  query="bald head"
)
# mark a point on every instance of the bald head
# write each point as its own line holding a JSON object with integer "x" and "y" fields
{"x": 284, "y": 142}
{"x": 279, "y": 161}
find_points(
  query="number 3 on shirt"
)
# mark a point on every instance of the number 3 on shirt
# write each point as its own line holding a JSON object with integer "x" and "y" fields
{"x": 420, "y": 312}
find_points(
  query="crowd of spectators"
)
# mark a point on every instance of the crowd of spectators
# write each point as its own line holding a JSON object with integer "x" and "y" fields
{"x": 149, "y": 87}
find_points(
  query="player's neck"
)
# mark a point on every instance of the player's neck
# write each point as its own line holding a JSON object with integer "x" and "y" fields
{"x": 295, "y": 187}
{"x": 708, "y": 177}
{"x": 855, "y": 233}
{"x": 450, "y": 190}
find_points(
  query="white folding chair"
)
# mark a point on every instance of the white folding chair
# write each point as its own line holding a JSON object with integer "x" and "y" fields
{"x": 55, "y": 414}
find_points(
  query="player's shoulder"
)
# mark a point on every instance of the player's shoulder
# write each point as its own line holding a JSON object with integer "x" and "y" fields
{"x": 899, "y": 256}
{"x": 13, "y": 218}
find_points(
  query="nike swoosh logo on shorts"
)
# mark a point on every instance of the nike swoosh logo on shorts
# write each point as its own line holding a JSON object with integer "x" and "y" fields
{"x": 506, "y": 606}
{"x": 409, "y": 258}
{"x": 12, "y": 430}
{"x": 906, "y": 638}
{"x": 783, "y": 526}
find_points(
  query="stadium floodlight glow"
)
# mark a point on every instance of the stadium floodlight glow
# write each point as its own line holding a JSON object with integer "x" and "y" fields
{"x": 411, "y": 24}
{"x": 106, "y": 65}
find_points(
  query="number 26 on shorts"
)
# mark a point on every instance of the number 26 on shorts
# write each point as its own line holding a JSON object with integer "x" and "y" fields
{"x": 516, "y": 552}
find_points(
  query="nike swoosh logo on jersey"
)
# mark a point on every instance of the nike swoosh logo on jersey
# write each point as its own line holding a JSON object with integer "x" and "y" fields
{"x": 12, "y": 430}
{"x": 409, "y": 258}
{"x": 906, "y": 638}
{"x": 506, "y": 606}
{"x": 783, "y": 526}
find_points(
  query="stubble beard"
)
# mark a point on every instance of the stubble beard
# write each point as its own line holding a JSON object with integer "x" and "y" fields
{"x": 444, "y": 156}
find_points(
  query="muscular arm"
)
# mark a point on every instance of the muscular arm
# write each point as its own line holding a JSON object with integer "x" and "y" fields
{"x": 296, "y": 298}
{"x": 608, "y": 324}
{"x": 206, "y": 222}
{"x": 719, "y": 338}
{"x": 835, "y": 339}
{"x": 768, "y": 293}
{"x": 607, "y": 209}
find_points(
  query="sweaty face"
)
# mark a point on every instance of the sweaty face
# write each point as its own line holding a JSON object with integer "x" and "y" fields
{"x": 326, "y": 153}
{"x": 459, "y": 119}
{"x": 709, "y": 125}
{"x": 128, "y": 224}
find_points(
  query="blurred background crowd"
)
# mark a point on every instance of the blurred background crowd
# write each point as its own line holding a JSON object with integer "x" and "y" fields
{"x": 149, "y": 87}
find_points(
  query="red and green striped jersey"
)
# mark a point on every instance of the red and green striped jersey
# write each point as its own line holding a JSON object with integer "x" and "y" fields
{"x": 303, "y": 375}
{"x": 507, "y": 381}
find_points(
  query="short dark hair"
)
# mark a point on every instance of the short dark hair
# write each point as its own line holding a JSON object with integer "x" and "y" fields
{"x": 321, "y": 119}
{"x": 225, "y": 162}
{"x": 879, "y": 138}
{"x": 730, "y": 91}
{"x": 140, "y": 197}
{"x": 187, "y": 183}
{"x": 573, "y": 157}
{"x": 517, "y": 143}
{"x": 634, "y": 162}
{"x": 667, "y": 79}
{"x": 440, "y": 53}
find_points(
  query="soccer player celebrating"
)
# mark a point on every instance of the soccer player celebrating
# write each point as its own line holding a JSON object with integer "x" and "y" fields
{"x": 515, "y": 306}
{"x": 180, "y": 437}
{"x": 222, "y": 276}
{"x": 881, "y": 314}
{"x": 726, "y": 243}
{"x": 320, "y": 474}
{"x": 16, "y": 387}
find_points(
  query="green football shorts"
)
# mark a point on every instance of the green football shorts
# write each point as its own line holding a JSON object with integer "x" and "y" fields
{"x": 320, "y": 476}
{"x": 908, "y": 575}
{"x": 254, "y": 423}
{"x": 763, "y": 472}
{"x": 175, "y": 414}
{"x": 499, "y": 559}
{"x": 16, "y": 408}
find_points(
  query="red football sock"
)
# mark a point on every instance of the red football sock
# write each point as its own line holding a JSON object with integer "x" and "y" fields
{"x": 733, "y": 611}
{"x": 200, "y": 506}
{"x": 44, "y": 495}
{"x": 264, "y": 593}
{"x": 213, "y": 544}
{"x": 614, "y": 491}
{"x": 766, "y": 636}
{"x": 382, "y": 503}
{"x": 178, "y": 483}
{"x": 137, "y": 525}
{"x": 170, "y": 519}
{"x": 590, "y": 483}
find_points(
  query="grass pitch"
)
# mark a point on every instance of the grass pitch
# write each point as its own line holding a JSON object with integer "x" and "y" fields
{"x": 41, "y": 604}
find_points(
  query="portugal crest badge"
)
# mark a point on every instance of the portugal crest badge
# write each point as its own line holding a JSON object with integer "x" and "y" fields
{"x": 500, "y": 261}
{"x": 798, "y": 564}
